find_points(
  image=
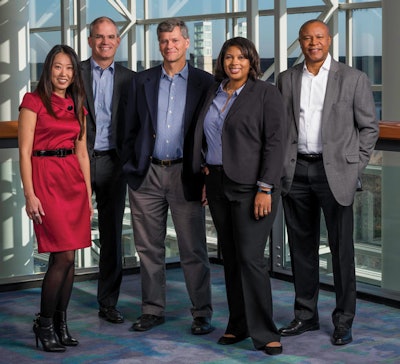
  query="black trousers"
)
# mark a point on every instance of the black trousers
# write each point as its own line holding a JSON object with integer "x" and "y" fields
{"x": 110, "y": 187}
{"x": 309, "y": 194}
{"x": 242, "y": 240}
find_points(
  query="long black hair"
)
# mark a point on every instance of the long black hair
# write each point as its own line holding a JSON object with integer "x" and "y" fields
{"x": 75, "y": 90}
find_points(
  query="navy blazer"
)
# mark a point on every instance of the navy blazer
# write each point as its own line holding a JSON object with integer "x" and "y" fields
{"x": 122, "y": 80}
{"x": 139, "y": 133}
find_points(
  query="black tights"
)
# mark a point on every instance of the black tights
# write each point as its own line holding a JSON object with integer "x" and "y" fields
{"x": 57, "y": 283}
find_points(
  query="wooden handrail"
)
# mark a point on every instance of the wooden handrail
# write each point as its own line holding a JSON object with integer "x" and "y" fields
{"x": 8, "y": 129}
{"x": 388, "y": 130}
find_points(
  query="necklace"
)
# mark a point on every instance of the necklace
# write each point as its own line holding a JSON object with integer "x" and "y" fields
{"x": 230, "y": 90}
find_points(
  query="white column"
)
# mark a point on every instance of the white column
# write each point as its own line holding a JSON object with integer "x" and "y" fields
{"x": 14, "y": 56}
{"x": 390, "y": 160}
{"x": 390, "y": 60}
{"x": 16, "y": 233}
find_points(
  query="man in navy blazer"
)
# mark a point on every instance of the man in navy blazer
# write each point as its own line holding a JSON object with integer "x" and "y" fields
{"x": 332, "y": 130}
{"x": 161, "y": 114}
{"x": 105, "y": 83}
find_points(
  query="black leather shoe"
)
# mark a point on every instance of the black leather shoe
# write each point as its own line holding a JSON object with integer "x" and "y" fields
{"x": 147, "y": 322}
{"x": 297, "y": 327}
{"x": 273, "y": 350}
{"x": 342, "y": 336}
{"x": 111, "y": 314}
{"x": 201, "y": 326}
{"x": 228, "y": 340}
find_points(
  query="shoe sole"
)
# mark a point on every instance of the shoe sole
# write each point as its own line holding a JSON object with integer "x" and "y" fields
{"x": 211, "y": 329}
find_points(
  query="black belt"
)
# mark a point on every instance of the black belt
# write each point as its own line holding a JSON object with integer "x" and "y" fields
{"x": 166, "y": 162}
{"x": 309, "y": 157}
{"x": 215, "y": 167}
{"x": 53, "y": 153}
{"x": 101, "y": 153}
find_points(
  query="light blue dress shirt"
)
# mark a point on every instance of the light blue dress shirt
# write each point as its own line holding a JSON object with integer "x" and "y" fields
{"x": 103, "y": 85}
{"x": 214, "y": 122}
{"x": 170, "y": 115}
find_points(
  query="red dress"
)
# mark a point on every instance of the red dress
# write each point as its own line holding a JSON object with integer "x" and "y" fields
{"x": 58, "y": 181}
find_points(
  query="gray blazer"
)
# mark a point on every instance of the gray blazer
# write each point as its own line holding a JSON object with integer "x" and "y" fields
{"x": 349, "y": 127}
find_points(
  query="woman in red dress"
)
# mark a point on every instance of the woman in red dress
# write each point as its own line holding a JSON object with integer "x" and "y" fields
{"x": 55, "y": 175}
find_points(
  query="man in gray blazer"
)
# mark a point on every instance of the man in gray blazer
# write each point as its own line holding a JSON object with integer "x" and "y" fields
{"x": 105, "y": 82}
{"x": 332, "y": 130}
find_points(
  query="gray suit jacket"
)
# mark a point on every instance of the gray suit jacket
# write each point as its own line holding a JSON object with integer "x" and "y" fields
{"x": 349, "y": 127}
{"x": 122, "y": 81}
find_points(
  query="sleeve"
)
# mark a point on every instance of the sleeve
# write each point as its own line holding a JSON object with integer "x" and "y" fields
{"x": 31, "y": 101}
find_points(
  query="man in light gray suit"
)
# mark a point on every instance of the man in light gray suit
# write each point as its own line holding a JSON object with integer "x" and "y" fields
{"x": 332, "y": 132}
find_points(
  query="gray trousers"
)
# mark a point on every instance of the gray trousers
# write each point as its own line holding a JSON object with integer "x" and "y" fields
{"x": 162, "y": 188}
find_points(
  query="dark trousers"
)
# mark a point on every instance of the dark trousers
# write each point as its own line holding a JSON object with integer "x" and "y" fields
{"x": 110, "y": 188}
{"x": 242, "y": 240}
{"x": 309, "y": 194}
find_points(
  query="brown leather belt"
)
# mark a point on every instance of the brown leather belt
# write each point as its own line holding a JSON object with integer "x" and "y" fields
{"x": 166, "y": 162}
{"x": 53, "y": 153}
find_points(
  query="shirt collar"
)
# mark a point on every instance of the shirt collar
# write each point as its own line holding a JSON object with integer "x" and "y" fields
{"x": 224, "y": 82}
{"x": 184, "y": 72}
{"x": 95, "y": 65}
{"x": 325, "y": 66}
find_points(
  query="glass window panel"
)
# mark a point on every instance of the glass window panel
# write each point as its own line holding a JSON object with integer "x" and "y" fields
{"x": 140, "y": 65}
{"x": 206, "y": 39}
{"x": 240, "y": 5}
{"x": 265, "y": 4}
{"x": 297, "y": 3}
{"x": 44, "y": 13}
{"x": 97, "y": 8}
{"x": 267, "y": 44}
{"x": 357, "y": 1}
{"x": 295, "y": 21}
{"x": 367, "y": 43}
{"x": 40, "y": 45}
{"x": 140, "y": 9}
{"x": 177, "y": 8}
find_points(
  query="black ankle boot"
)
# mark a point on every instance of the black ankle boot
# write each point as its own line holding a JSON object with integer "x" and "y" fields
{"x": 44, "y": 331}
{"x": 61, "y": 329}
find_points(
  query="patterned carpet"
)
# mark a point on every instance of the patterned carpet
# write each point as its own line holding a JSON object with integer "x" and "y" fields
{"x": 376, "y": 330}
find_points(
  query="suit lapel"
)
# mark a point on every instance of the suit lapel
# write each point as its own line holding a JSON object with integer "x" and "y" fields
{"x": 332, "y": 88}
{"x": 116, "y": 92}
{"x": 151, "y": 87}
{"x": 296, "y": 92}
{"x": 242, "y": 97}
{"x": 87, "y": 81}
